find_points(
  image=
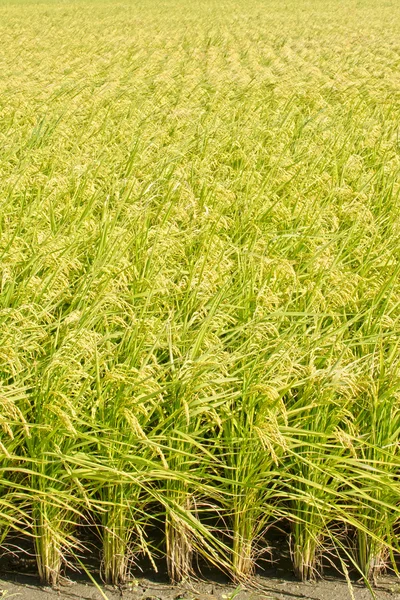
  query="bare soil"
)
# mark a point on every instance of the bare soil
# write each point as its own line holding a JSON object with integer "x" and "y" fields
{"x": 26, "y": 587}
{"x": 274, "y": 580}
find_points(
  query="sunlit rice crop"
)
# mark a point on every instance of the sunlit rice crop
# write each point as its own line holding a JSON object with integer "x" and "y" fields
{"x": 199, "y": 277}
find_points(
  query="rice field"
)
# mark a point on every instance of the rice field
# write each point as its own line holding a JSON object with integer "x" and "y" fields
{"x": 200, "y": 290}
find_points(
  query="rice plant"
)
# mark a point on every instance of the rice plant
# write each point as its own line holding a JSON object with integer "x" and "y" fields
{"x": 199, "y": 284}
{"x": 379, "y": 513}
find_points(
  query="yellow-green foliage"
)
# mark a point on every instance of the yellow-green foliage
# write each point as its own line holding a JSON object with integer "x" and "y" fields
{"x": 199, "y": 271}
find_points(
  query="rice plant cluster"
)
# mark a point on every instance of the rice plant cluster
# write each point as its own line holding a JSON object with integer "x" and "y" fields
{"x": 200, "y": 291}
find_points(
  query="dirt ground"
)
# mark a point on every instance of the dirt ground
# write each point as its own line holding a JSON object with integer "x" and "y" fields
{"x": 274, "y": 581}
{"x": 26, "y": 587}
